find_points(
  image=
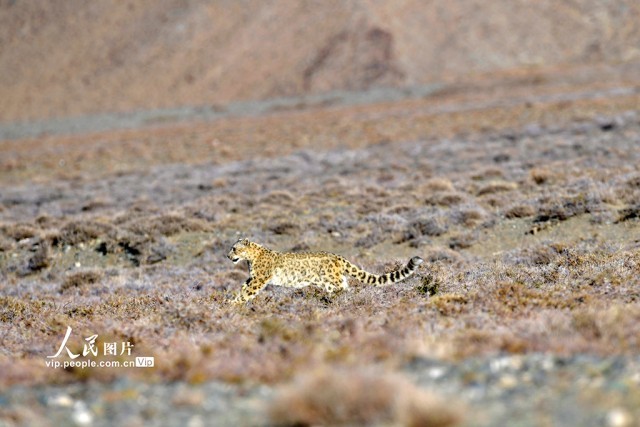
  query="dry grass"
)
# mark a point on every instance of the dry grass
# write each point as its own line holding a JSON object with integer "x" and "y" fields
{"x": 520, "y": 211}
{"x": 561, "y": 298}
{"x": 496, "y": 187}
{"x": 542, "y": 175}
{"x": 143, "y": 259}
{"x": 79, "y": 279}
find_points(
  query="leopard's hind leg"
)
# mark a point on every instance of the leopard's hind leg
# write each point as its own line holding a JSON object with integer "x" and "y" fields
{"x": 332, "y": 283}
{"x": 328, "y": 286}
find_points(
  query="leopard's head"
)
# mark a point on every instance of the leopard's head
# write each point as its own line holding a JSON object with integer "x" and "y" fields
{"x": 242, "y": 249}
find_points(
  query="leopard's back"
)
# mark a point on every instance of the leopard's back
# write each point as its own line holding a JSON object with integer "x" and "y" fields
{"x": 297, "y": 270}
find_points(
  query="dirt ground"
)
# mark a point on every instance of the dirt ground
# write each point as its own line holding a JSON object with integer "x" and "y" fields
{"x": 524, "y": 203}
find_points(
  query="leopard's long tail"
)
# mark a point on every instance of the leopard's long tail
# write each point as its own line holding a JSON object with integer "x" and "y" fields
{"x": 377, "y": 280}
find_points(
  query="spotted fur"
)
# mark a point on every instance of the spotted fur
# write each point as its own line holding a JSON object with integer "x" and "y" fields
{"x": 297, "y": 270}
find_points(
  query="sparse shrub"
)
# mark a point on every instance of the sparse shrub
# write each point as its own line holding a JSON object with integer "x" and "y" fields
{"x": 561, "y": 209}
{"x": 133, "y": 247}
{"x": 496, "y": 200}
{"x": 300, "y": 247}
{"x": 368, "y": 206}
{"x": 166, "y": 225}
{"x": 541, "y": 175}
{"x": 441, "y": 254}
{"x": 95, "y": 204}
{"x": 469, "y": 217}
{"x": 19, "y": 231}
{"x": 11, "y": 308}
{"x": 284, "y": 227}
{"x": 219, "y": 183}
{"x": 331, "y": 396}
{"x": 423, "y": 227}
{"x": 159, "y": 252}
{"x": 497, "y": 187}
{"x": 450, "y": 304}
{"x": 272, "y": 328}
{"x": 474, "y": 341}
{"x": 278, "y": 198}
{"x": 541, "y": 255}
{"x": 634, "y": 182}
{"x": 490, "y": 173}
{"x": 419, "y": 242}
{"x": 462, "y": 241}
{"x": 626, "y": 214}
{"x": 585, "y": 322}
{"x": 369, "y": 240}
{"x": 45, "y": 221}
{"x": 203, "y": 212}
{"x": 448, "y": 198}
{"x": 509, "y": 297}
{"x": 80, "y": 278}
{"x": 5, "y": 243}
{"x": 77, "y": 232}
{"x": 40, "y": 258}
{"x": 80, "y": 311}
{"x": 437, "y": 185}
{"x": 429, "y": 285}
{"x": 520, "y": 211}
{"x": 400, "y": 209}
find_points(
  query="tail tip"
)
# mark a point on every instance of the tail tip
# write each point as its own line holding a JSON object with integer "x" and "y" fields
{"x": 416, "y": 260}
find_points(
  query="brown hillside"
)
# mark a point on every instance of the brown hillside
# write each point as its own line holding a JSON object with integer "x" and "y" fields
{"x": 62, "y": 58}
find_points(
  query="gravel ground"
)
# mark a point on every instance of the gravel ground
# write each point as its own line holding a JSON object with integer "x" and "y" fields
{"x": 522, "y": 390}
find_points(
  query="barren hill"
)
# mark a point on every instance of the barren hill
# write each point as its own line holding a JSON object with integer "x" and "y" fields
{"x": 66, "y": 58}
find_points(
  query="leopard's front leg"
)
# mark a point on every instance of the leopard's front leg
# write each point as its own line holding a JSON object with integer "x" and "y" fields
{"x": 249, "y": 290}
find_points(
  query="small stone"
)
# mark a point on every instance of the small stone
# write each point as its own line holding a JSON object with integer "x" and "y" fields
{"x": 62, "y": 400}
{"x": 618, "y": 418}
{"x": 195, "y": 421}
{"x": 505, "y": 363}
{"x": 81, "y": 414}
{"x": 508, "y": 382}
{"x": 437, "y": 372}
{"x": 547, "y": 364}
{"x": 78, "y": 265}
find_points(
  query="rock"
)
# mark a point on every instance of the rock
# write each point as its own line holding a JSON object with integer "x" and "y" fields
{"x": 81, "y": 414}
{"x": 618, "y": 418}
{"x": 60, "y": 400}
